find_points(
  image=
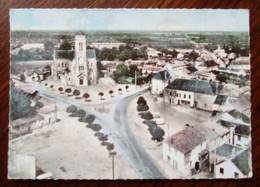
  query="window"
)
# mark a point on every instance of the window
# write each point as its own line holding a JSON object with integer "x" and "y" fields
{"x": 58, "y": 65}
{"x": 189, "y": 96}
{"x": 221, "y": 170}
{"x": 184, "y": 95}
{"x": 81, "y": 68}
{"x": 236, "y": 175}
{"x": 81, "y": 46}
{"x": 169, "y": 158}
{"x": 205, "y": 105}
{"x": 239, "y": 137}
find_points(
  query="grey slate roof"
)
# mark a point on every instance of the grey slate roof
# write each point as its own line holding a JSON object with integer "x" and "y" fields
{"x": 227, "y": 124}
{"x": 197, "y": 86}
{"x": 162, "y": 75}
{"x": 242, "y": 162}
{"x": 239, "y": 115}
{"x": 186, "y": 140}
{"x": 227, "y": 150}
{"x": 242, "y": 130}
{"x": 91, "y": 54}
{"x": 221, "y": 99}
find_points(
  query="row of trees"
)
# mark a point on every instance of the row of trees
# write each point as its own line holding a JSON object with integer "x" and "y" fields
{"x": 121, "y": 53}
{"x": 89, "y": 118}
{"x": 156, "y": 131}
{"x": 85, "y": 95}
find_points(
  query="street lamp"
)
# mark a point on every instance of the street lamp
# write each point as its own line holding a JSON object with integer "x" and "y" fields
{"x": 112, "y": 154}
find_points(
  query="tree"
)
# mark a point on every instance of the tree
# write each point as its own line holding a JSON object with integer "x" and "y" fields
{"x": 60, "y": 89}
{"x": 142, "y": 107}
{"x": 122, "y": 70}
{"x": 193, "y": 55}
{"x": 86, "y": 96}
{"x": 111, "y": 93}
{"x": 88, "y": 119}
{"x": 147, "y": 115}
{"x": 103, "y": 138}
{"x": 174, "y": 53}
{"x": 157, "y": 133}
{"x": 96, "y": 127}
{"x": 20, "y": 104}
{"x": 81, "y": 113}
{"x": 68, "y": 91}
{"x": 65, "y": 46}
{"x": 119, "y": 89}
{"x": 142, "y": 100}
{"x": 126, "y": 87}
{"x": 101, "y": 95}
{"x": 76, "y": 93}
{"x": 99, "y": 134}
{"x": 72, "y": 109}
{"x": 110, "y": 147}
{"x": 38, "y": 105}
{"x": 132, "y": 69}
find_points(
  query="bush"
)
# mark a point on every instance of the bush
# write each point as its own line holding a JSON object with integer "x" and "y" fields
{"x": 151, "y": 124}
{"x": 71, "y": 109}
{"x": 147, "y": 115}
{"x": 81, "y": 113}
{"x": 95, "y": 127}
{"x": 142, "y": 100}
{"x": 110, "y": 147}
{"x": 142, "y": 107}
{"x": 103, "y": 138}
{"x": 88, "y": 119}
{"x": 157, "y": 133}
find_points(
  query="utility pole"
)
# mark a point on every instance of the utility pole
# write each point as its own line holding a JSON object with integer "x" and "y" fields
{"x": 135, "y": 79}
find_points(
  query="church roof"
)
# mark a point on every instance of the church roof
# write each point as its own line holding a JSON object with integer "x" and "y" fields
{"x": 91, "y": 54}
{"x": 69, "y": 54}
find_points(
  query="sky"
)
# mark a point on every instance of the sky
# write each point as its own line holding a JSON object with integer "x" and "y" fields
{"x": 130, "y": 19}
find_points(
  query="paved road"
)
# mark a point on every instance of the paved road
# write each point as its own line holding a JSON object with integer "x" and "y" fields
{"x": 117, "y": 127}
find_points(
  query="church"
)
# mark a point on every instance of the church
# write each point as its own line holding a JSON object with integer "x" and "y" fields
{"x": 81, "y": 70}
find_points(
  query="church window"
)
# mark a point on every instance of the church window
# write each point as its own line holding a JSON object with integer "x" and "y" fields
{"x": 81, "y": 46}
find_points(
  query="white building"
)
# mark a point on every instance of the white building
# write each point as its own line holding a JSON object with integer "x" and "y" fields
{"x": 160, "y": 81}
{"x": 82, "y": 70}
{"x": 229, "y": 161}
{"x": 33, "y": 46}
{"x": 195, "y": 93}
{"x": 186, "y": 151}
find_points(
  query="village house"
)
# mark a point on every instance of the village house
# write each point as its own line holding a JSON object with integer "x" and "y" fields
{"x": 229, "y": 161}
{"x": 22, "y": 126}
{"x": 160, "y": 81}
{"x": 240, "y": 135}
{"x": 195, "y": 93}
{"x": 186, "y": 151}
